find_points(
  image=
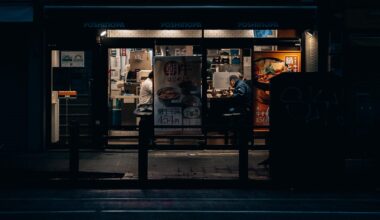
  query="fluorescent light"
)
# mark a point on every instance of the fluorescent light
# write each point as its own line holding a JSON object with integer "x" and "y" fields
{"x": 310, "y": 34}
{"x": 103, "y": 33}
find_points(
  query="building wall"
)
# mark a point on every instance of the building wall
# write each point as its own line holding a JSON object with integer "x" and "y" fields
{"x": 14, "y": 58}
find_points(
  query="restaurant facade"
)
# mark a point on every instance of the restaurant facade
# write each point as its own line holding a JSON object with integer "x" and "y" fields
{"x": 92, "y": 58}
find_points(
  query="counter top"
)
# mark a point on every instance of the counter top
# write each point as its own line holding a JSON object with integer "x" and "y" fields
{"x": 124, "y": 96}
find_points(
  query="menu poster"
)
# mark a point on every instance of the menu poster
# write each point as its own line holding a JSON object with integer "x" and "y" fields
{"x": 177, "y": 93}
{"x": 72, "y": 58}
{"x": 268, "y": 65}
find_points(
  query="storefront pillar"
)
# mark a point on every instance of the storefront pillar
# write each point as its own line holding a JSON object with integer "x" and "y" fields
{"x": 36, "y": 87}
{"x": 323, "y": 36}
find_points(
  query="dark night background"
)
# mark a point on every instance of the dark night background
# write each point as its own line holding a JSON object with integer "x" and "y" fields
{"x": 318, "y": 169}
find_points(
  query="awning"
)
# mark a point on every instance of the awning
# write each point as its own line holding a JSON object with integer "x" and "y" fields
{"x": 180, "y": 17}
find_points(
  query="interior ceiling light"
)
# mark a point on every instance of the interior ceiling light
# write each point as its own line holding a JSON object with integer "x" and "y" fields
{"x": 309, "y": 33}
{"x": 103, "y": 33}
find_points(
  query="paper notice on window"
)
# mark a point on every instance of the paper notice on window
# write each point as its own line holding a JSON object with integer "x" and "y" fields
{"x": 221, "y": 80}
{"x": 72, "y": 58}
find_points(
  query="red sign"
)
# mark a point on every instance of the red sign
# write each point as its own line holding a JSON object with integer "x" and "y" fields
{"x": 123, "y": 52}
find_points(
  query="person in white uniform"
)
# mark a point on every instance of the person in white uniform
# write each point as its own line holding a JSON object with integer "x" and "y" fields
{"x": 146, "y": 94}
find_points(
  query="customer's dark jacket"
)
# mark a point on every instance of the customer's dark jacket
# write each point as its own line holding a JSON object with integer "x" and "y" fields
{"x": 242, "y": 96}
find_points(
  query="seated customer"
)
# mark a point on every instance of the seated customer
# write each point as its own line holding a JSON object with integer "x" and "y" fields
{"x": 242, "y": 95}
{"x": 242, "y": 101}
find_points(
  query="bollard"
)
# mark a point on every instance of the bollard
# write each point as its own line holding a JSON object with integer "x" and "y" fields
{"x": 145, "y": 140}
{"x": 74, "y": 149}
{"x": 242, "y": 143}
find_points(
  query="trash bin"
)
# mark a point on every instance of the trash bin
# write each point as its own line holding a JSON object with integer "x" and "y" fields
{"x": 116, "y": 113}
{"x": 116, "y": 117}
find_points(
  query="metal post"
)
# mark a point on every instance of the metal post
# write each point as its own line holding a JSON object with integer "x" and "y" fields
{"x": 145, "y": 139}
{"x": 241, "y": 129}
{"x": 74, "y": 149}
{"x": 323, "y": 36}
{"x": 67, "y": 119}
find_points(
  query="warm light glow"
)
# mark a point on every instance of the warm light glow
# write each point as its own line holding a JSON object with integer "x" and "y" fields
{"x": 310, "y": 34}
{"x": 155, "y": 33}
{"x": 103, "y": 33}
{"x": 228, "y": 33}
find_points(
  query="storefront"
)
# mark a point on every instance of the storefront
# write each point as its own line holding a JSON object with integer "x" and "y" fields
{"x": 97, "y": 58}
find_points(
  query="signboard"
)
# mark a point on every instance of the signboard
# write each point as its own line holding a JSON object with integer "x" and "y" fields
{"x": 181, "y": 25}
{"x": 177, "y": 92}
{"x": 268, "y": 65}
{"x": 72, "y": 58}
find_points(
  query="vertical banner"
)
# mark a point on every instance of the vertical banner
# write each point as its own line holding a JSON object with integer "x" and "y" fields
{"x": 177, "y": 93}
{"x": 268, "y": 65}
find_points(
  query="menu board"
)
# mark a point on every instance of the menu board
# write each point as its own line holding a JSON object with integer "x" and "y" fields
{"x": 268, "y": 65}
{"x": 177, "y": 93}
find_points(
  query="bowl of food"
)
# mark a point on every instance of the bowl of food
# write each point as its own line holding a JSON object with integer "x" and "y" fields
{"x": 168, "y": 95}
{"x": 267, "y": 68}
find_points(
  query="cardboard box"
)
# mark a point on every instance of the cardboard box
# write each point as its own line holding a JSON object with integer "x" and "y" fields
{"x": 141, "y": 60}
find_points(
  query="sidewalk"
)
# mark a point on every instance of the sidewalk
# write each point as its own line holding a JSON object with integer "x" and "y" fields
{"x": 221, "y": 204}
{"x": 122, "y": 164}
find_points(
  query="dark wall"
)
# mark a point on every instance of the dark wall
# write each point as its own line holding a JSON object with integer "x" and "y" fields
{"x": 307, "y": 129}
{"x": 14, "y": 58}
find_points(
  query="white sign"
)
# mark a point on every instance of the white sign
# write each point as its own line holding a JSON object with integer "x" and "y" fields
{"x": 221, "y": 80}
{"x": 177, "y": 92}
{"x": 72, "y": 58}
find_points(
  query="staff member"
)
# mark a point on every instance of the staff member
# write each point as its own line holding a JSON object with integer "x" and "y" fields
{"x": 146, "y": 94}
{"x": 144, "y": 110}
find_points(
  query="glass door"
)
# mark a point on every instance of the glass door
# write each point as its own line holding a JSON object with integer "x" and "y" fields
{"x": 71, "y": 71}
{"x": 127, "y": 69}
{"x": 177, "y": 111}
{"x": 226, "y": 61}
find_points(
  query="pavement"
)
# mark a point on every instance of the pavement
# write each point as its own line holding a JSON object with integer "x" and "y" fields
{"x": 123, "y": 164}
{"x": 236, "y": 202}
{"x": 187, "y": 204}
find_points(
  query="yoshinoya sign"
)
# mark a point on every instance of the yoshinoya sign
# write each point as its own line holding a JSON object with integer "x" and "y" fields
{"x": 183, "y": 25}
{"x": 104, "y": 25}
{"x": 258, "y": 25}
{"x": 163, "y": 25}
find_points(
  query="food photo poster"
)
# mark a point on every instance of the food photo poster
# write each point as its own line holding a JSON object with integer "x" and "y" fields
{"x": 177, "y": 93}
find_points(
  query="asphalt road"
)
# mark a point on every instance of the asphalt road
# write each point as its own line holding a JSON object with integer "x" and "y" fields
{"x": 186, "y": 204}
